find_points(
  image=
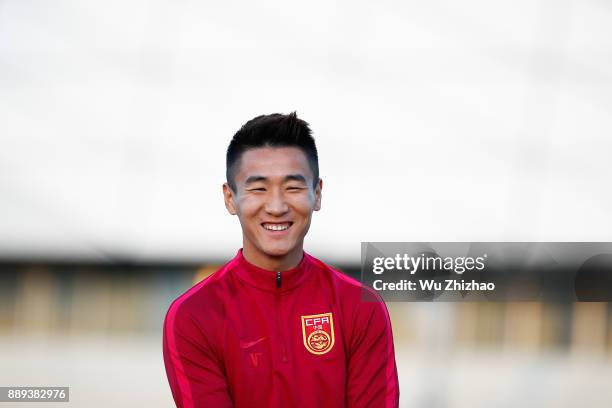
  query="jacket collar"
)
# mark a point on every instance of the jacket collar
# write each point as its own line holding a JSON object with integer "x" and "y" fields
{"x": 267, "y": 280}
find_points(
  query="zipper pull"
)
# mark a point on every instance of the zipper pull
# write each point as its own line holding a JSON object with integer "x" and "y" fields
{"x": 278, "y": 279}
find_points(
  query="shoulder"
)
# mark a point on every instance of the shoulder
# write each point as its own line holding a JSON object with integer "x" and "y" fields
{"x": 334, "y": 274}
{"x": 362, "y": 297}
{"x": 207, "y": 295}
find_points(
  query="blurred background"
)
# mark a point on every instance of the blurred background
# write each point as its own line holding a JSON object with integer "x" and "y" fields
{"x": 435, "y": 121}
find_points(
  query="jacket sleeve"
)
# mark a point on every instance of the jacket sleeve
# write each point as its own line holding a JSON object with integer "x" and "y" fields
{"x": 372, "y": 372}
{"x": 196, "y": 375}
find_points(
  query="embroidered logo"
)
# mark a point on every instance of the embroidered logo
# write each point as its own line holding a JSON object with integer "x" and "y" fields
{"x": 248, "y": 344}
{"x": 318, "y": 332}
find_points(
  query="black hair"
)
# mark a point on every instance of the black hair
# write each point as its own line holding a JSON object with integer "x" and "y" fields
{"x": 274, "y": 130}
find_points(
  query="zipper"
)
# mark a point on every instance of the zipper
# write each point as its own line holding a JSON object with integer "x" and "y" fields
{"x": 278, "y": 317}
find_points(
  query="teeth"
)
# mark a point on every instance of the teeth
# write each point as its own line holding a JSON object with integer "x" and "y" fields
{"x": 275, "y": 227}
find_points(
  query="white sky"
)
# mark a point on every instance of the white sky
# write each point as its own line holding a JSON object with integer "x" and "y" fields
{"x": 435, "y": 121}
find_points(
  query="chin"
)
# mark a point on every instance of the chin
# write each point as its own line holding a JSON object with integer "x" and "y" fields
{"x": 277, "y": 251}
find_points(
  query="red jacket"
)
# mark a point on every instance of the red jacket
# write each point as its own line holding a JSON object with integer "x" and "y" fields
{"x": 249, "y": 337}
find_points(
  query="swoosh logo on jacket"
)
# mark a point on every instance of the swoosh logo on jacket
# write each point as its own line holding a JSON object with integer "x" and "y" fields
{"x": 247, "y": 344}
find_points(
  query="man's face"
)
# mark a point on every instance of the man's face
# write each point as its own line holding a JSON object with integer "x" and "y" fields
{"x": 274, "y": 200}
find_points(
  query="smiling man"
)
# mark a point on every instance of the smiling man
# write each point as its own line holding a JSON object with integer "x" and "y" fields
{"x": 276, "y": 327}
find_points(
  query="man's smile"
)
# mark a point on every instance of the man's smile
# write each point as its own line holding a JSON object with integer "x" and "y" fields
{"x": 277, "y": 226}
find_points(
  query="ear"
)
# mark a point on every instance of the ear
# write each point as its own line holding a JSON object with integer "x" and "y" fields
{"x": 318, "y": 188}
{"x": 228, "y": 197}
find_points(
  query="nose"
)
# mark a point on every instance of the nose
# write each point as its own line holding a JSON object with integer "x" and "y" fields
{"x": 276, "y": 204}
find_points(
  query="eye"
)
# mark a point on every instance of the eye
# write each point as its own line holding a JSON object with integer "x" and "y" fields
{"x": 257, "y": 189}
{"x": 294, "y": 188}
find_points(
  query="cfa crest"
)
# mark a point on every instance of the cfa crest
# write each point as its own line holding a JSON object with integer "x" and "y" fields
{"x": 318, "y": 332}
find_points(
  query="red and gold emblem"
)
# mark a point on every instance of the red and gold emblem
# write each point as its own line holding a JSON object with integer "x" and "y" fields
{"x": 318, "y": 332}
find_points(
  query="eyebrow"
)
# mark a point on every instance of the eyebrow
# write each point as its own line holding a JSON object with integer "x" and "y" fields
{"x": 255, "y": 179}
{"x": 288, "y": 177}
{"x": 295, "y": 177}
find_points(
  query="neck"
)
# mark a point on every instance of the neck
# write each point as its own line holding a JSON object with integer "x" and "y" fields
{"x": 273, "y": 263}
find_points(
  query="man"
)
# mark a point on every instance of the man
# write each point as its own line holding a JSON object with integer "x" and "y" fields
{"x": 276, "y": 327}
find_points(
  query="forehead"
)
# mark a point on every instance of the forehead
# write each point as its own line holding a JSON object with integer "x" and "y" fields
{"x": 273, "y": 162}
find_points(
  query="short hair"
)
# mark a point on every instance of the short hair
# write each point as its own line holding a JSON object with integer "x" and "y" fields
{"x": 274, "y": 130}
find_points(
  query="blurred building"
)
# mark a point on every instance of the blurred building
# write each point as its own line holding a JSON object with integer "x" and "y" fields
{"x": 128, "y": 299}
